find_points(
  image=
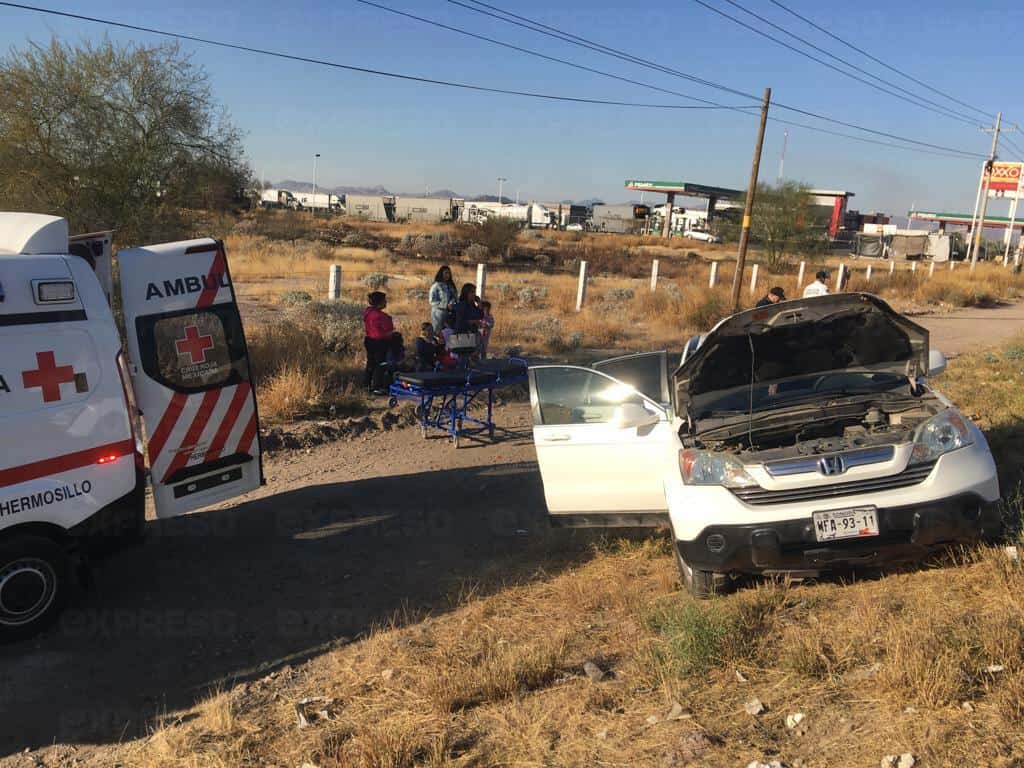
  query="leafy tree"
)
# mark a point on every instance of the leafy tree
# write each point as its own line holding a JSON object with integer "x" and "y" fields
{"x": 123, "y": 137}
{"x": 783, "y": 223}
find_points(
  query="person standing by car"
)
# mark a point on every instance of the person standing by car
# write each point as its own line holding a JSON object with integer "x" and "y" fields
{"x": 442, "y": 297}
{"x": 467, "y": 310}
{"x": 820, "y": 285}
{"x": 774, "y": 296}
{"x": 379, "y": 330}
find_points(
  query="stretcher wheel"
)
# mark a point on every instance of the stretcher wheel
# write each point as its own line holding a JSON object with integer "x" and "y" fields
{"x": 423, "y": 432}
{"x": 392, "y": 402}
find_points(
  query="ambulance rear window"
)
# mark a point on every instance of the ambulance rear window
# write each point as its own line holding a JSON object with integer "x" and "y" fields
{"x": 194, "y": 350}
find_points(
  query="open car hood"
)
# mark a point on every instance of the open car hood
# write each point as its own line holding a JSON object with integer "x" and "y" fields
{"x": 803, "y": 337}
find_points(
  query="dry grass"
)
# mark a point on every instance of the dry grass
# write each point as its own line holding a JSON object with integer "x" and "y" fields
{"x": 879, "y": 665}
{"x": 534, "y": 308}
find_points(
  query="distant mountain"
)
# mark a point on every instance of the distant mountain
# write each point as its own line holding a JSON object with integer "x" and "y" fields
{"x": 307, "y": 186}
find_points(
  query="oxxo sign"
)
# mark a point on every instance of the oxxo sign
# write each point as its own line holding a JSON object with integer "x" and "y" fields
{"x": 1004, "y": 179}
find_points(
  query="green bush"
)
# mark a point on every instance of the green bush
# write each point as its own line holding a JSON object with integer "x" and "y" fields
{"x": 339, "y": 323}
{"x": 295, "y": 298}
{"x": 375, "y": 281}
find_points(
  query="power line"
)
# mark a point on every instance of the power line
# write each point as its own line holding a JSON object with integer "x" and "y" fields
{"x": 919, "y": 101}
{"x": 538, "y": 54}
{"x": 544, "y": 29}
{"x": 739, "y": 109}
{"x": 875, "y": 59}
{"x": 352, "y": 68}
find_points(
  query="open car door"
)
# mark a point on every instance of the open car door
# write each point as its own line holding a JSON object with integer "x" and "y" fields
{"x": 601, "y": 447}
{"x": 190, "y": 370}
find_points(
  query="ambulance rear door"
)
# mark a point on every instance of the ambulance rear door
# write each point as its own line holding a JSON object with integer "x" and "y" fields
{"x": 190, "y": 368}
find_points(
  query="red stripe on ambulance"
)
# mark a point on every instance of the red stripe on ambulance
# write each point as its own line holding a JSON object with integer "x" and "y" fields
{"x": 212, "y": 283}
{"x": 166, "y": 426}
{"x": 65, "y": 463}
{"x": 245, "y": 443}
{"x": 238, "y": 401}
{"x": 195, "y": 430}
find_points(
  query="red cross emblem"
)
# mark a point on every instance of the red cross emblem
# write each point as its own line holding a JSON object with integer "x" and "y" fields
{"x": 194, "y": 345}
{"x": 48, "y": 376}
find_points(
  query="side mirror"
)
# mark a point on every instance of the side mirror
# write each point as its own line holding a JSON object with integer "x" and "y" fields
{"x": 936, "y": 362}
{"x": 630, "y": 415}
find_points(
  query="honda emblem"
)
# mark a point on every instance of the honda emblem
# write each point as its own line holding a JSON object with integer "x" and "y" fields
{"x": 831, "y": 465}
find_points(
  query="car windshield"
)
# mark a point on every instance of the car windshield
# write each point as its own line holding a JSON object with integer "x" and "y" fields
{"x": 807, "y": 388}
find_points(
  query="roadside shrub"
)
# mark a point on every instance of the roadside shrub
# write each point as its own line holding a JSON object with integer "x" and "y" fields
{"x": 496, "y": 234}
{"x": 703, "y": 310}
{"x": 673, "y": 291}
{"x": 528, "y": 298}
{"x": 549, "y": 330}
{"x": 615, "y": 296}
{"x": 339, "y": 323}
{"x": 295, "y": 298}
{"x": 417, "y": 294}
{"x": 375, "y": 281}
{"x": 504, "y": 290}
{"x": 476, "y": 252}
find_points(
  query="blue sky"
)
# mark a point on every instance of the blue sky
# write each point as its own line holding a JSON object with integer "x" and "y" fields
{"x": 406, "y": 136}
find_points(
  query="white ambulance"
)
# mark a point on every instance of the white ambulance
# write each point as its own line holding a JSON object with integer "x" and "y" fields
{"x": 72, "y": 465}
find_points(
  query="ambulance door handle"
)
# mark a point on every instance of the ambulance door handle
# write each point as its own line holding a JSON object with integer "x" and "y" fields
{"x": 561, "y": 437}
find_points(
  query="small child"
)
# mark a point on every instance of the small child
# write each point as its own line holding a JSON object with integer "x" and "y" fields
{"x": 426, "y": 348}
{"x": 486, "y": 325}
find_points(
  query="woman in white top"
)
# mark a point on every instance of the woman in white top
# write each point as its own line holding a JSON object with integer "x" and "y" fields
{"x": 443, "y": 295}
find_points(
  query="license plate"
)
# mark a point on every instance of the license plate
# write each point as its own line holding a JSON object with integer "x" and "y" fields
{"x": 853, "y": 523}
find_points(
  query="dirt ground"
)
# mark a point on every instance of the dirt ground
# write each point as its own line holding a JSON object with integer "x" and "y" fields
{"x": 345, "y": 537}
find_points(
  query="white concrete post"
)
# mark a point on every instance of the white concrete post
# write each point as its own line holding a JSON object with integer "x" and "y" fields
{"x": 931, "y": 269}
{"x": 753, "y": 280}
{"x": 800, "y": 275}
{"x": 334, "y": 283}
{"x": 481, "y": 280}
{"x": 654, "y": 275}
{"x": 581, "y": 291}
{"x": 913, "y": 266}
{"x": 867, "y": 277}
{"x": 839, "y": 278}
{"x": 714, "y": 274}
{"x": 952, "y": 265}
{"x": 892, "y": 266}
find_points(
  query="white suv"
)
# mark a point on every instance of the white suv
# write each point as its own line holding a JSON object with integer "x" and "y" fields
{"x": 794, "y": 438}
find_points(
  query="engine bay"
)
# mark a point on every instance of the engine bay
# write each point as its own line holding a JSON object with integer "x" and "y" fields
{"x": 818, "y": 429}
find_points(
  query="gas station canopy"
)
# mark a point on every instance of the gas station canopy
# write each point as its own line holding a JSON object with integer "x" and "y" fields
{"x": 684, "y": 188}
{"x": 964, "y": 219}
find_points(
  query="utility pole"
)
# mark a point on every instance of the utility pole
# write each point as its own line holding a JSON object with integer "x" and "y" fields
{"x": 987, "y": 176}
{"x": 741, "y": 256}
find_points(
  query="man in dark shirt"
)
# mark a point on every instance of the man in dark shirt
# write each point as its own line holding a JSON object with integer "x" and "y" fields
{"x": 774, "y": 296}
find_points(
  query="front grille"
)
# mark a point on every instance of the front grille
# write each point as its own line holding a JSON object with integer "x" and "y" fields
{"x": 905, "y": 479}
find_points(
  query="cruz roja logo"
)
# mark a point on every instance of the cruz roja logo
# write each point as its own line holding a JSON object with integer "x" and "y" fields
{"x": 48, "y": 376}
{"x": 194, "y": 345}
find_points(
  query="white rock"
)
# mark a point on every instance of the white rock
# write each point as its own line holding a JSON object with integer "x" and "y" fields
{"x": 1012, "y": 554}
{"x": 676, "y": 713}
{"x": 753, "y": 707}
{"x": 906, "y": 760}
{"x": 994, "y": 668}
{"x": 967, "y": 706}
{"x": 591, "y": 670}
{"x": 740, "y": 677}
{"x": 652, "y": 720}
{"x": 889, "y": 761}
{"x": 793, "y": 720}
{"x": 387, "y": 674}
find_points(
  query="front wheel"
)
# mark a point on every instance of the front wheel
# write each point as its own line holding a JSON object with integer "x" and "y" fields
{"x": 33, "y": 585}
{"x": 700, "y": 583}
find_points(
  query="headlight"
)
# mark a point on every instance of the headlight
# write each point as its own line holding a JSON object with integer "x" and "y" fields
{"x": 940, "y": 434}
{"x": 706, "y": 468}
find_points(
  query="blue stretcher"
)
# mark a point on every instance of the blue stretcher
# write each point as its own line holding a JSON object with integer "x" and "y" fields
{"x": 444, "y": 398}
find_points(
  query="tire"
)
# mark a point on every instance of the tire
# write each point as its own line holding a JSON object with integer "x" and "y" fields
{"x": 34, "y": 584}
{"x": 700, "y": 583}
